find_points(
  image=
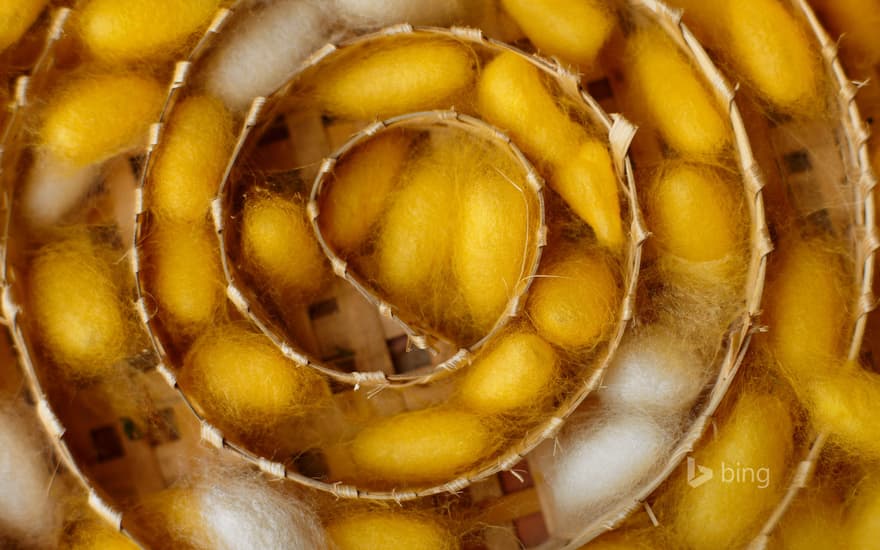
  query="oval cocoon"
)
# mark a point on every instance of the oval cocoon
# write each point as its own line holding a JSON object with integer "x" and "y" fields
{"x": 400, "y": 77}
{"x": 372, "y": 530}
{"x": 95, "y": 117}
{"x": 694, "y": 213}
{"x": 843, "y": 404}
{"x": 124, "y": 30}
{"x": 421, "y": 446}
{"x": 360, "y": 188}
{"x": 574, "y": 302}
{"x": 516, "y": 373}
{"x": 675, "y": 99}
{"x": 16, "y": 16}
{"x": 187, "y": 278}
{"x": 240, "y": 376}
{"x": 191, "y": 159}
{"x": 77, "y": 307}
{"x": 279, "y": 243}
{"x": 572, "y": 30}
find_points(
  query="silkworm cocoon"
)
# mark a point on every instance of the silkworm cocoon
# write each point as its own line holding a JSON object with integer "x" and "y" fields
{"x": 77, "y": 307}
{"x": 141, "y": 29}
{"x": 244, "y": 379}
{"x": 511, "y": 95}
{"x": 862, "y": 520}
{"x": 516, "y": 373}
{"x": 278, "y": 242}
{"x": 428, "y": 445}
{"x": 376, "y": 13}
{"x": 772, "y": 52}
{"x": 359, "y": 189}
{"x": 191, "y": 159}
{"x": 655, "y": 372}
{"x": 27, "y": 509}
{"x": 602, "y": 459}
{"x": 187, "y": 280}
{"x": 16, "y": 16}
{"x": 573, "y": 302}
{"x": 95, "y": 534}
{"x": 844, "y": 403}
{"x": 381, "y": 529}
{"x": 572, "y": 30}
{"x": 489, "y": 253}
{"x": 675, "y": 99}
{"x": 806, "y": 309}
{"x": 53, "y": 187}
{"x": 813, "y": 522}
{"x": 856, "y": 21}
{"x": 399, "y": 77}
{"x": 95, "y": 117}
{"x": 720, "y": 513}
{"x": 589, "y": 186}
{"x": 695, "y": 213}
{"x": 266, "y": 45}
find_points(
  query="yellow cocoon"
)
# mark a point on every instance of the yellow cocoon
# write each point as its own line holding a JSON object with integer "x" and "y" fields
{"x": 678, "y": 103}
{"x": 124, "y": 30}
{"x": 95, "y": 117}
{"x": 358, "y": 191}
{"x": 279, "y": 243}
{"x": 725, "y": 511}
{"x": 573, "y": 302}
{"x": 772, "y": 52}
{"x": 187, "y": 278}
{"x": 845, "y": 403}
{"x": 694, "y": 212}
{"x": 380, "y": 530}
{"x": 243, "y": 378}
{"x": 512, "y": 96}
{"x": 515, "y": 374}
{"x": 572, "y": 30}
{"x": 401, "y": 76}
{"x": 862, "y": 518}
{"x": 97, "y": 535}
{"x": 489, "y": 253}
{"x": 805, "y": 308}
{"x": 16, "y": 16}
{"x": 857, "y": 22}
{"x": 421, "y": 446}
{"x": 191, "y": 159}
{"x": 589, "y": 186}
{"x": 77, "y": 306}
{"x": 813, "y": 522}
{"x": 172, "y": 517}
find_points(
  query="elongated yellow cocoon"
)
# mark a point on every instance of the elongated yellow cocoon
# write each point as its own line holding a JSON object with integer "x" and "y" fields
{"x": 392, "y": 529}
{"x": 589, "y": 186}
{"x": 242, "y": 378}
{"x": 421, "y": 446}
{"x": 359, "y": 189}
{"x": 574, "y": 301}
{"x": 806, "y": 309}
{"x": 77, "y": 306}
{"x": 814, "y": 522}
{"x": 93, "y": 118}
{"x": 723, "y": 512}
{"x": 844, "y": 403}
{"x": 191, "y": 159}
{"x": 862, "y": 522}
{"x": 857, "y": 22}
{"x": 516, "y": 373}
{"x": 400, "y": 77}
{"x": 772, "y": 52}
{"x": 695, "y": 213}
{"x": 572, "y": 30}
{"x": 97, "y": 534}
{"x": 490, "y": 252}
{"x": 677, "y": 102}
{"x": 187, "y": 280}
{"x": 511, "y": 95}
{"x": 125, "y": 30}
{"x": 16, "y": 16}
{"x": 279, "y": 243}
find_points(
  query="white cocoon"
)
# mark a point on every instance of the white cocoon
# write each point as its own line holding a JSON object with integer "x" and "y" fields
{"x": 595, "y": 462}
{"x": 53, "y": 187}
{"x": 27, "y": 511}
{"x": 377, "y": 13}
{"x": 243, "y": 514}
{"x": 264, "y": 49}
{"x": 655, "y": 372}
